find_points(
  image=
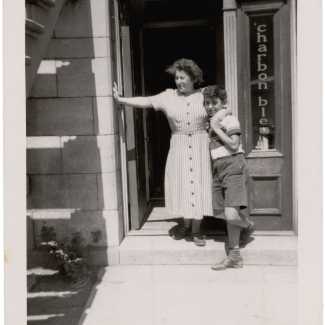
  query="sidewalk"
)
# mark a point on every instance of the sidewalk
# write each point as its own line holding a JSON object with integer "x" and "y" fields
{"x": 193, "y": 294}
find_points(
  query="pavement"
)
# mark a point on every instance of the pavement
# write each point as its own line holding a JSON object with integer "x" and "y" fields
{"x": 193, "y": 294}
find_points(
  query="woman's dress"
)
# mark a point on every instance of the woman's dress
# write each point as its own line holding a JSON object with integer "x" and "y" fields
{"x": 188, "y": 176}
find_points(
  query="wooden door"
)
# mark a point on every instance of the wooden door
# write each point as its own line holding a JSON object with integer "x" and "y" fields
{"x": 131, "y": 63}
{"x": 265, "y": 110}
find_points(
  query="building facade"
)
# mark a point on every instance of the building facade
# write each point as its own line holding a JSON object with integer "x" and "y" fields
{"x": 95, "y": 168}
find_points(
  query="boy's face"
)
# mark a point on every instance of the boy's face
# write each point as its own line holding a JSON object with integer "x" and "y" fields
{"x": 212, "y": 105}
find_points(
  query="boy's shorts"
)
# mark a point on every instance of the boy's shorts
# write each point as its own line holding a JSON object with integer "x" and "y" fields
{"x": 230, "y": 179}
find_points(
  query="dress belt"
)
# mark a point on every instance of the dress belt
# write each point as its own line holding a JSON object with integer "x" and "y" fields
{"x": 189, "y": 132}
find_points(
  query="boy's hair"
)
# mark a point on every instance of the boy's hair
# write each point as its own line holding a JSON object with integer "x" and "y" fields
{"x": 190, "y": 67}
{"x": 215, "y": 91}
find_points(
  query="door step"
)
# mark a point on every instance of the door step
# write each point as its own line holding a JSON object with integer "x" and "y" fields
{"x": 163, "y": 250}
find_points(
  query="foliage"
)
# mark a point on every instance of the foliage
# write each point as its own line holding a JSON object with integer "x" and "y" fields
{"x": 68, "y": 255}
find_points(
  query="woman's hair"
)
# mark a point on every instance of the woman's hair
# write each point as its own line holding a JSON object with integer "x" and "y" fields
{"x": 190, "y": 67}
{"x": 215, "y": 91}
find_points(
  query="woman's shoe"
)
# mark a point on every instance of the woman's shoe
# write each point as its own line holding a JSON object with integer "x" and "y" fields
{"x": 229, "y": 262}
{"x": 199, "y": 239}
{"x": 181, "y": 232}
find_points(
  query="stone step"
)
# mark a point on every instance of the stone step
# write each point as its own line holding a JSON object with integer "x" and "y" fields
{"x": 155, "y": 250}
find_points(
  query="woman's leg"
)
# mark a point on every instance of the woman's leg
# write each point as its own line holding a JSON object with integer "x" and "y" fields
{"x": 196, "y": 226}
{"x": 187, "y": 223}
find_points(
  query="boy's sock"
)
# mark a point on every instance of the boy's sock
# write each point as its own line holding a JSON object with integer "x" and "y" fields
{"x": 234, "y": 253}
{"x": 233, "y": 260}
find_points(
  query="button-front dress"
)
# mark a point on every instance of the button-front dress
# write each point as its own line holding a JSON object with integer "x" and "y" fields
{"x": 188, "y": 176}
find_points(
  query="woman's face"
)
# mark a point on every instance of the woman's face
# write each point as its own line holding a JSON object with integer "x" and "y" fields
{"x": 183, "y": 81}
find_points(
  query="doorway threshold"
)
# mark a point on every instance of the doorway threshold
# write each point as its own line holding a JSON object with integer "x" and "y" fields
{"x": 158, "y": 222}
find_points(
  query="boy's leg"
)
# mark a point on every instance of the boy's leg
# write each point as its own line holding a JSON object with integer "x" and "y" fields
{"x": 246, "y": 231}
{"x": 236, "y": 217}
{"x": 234, "y": 224}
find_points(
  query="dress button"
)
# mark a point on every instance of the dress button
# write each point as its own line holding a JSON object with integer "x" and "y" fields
{"x": 188, "y": 113}
{"x": 190, "y": 158}
{"x": 192, "y": 193}
{"x": 192, "y": 205}
{"x": 191, "y": 182}
{"x": 190, "y": 135}
{"x": 191, "y": 169}
{"x": 190, "y": 146}
{"x": 188, "y": 104}
{"x": 188, "y": 123}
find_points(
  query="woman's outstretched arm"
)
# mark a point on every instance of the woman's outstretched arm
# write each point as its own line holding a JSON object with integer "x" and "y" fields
{"x": 141, "y": 102}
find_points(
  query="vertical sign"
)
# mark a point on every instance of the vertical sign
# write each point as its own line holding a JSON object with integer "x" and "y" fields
{"x": 262, "y": 82}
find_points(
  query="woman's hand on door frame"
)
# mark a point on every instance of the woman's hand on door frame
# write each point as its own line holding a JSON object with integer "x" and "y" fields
{"x": 116, "y": 94}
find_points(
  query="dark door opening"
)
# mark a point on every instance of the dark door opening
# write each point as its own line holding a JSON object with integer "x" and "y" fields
{"x": 161, "y": 47}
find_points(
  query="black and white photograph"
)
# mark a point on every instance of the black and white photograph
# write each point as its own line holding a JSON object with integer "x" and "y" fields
{"x": 163, "y": 162}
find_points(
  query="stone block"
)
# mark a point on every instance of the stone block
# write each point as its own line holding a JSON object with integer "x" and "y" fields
{"x": 57, "y": 192}
{"x": 109, "y": 190}
{"x": 83, "y": 18}
{"x": 59, "y": 116}
{"x": 30, "y": 234}
{"x": 43, "y": 155}
{"x": 105, "y": 115}
{"x": 79, "y": 48}
{"x": 114, "y": 226}
{"x": 112, "y": 19}
{"x": 97, "y": 228}
{"x": 45, "y": 84}
{"x": 90, "y": 154}
{"x": 84, "y": 77}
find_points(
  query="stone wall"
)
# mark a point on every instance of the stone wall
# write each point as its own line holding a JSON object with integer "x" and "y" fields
{"x": 73, "y": 157}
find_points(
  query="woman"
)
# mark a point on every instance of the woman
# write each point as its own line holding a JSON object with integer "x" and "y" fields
{"x": 188, "y": 169}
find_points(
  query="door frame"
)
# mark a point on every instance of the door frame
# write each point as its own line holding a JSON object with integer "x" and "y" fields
{"x": 293, "y": 39}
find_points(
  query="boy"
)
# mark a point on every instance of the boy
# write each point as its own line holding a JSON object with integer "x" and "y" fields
{"x": 230, "y": 176}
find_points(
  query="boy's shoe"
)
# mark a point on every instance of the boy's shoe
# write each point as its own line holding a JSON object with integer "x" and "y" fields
{"x": 199, "y": 239}
{"x": 181, "y": 232}
{"x": 228, "y": 263}
{"x": 247, "y": 232}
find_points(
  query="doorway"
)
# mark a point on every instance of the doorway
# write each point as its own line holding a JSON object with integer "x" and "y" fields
{"x": 161, "y": 47}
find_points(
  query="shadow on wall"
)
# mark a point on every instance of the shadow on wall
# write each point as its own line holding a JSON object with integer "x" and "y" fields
{"x": 73, "y": 162}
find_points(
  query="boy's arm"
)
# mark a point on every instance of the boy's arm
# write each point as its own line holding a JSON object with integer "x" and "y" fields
{"x": 232, "y": 142}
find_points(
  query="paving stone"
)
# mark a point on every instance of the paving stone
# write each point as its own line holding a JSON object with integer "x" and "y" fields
{"x": 56, "y": 192}
{"x": 59, "y": 116}
{"x": 90, "y": 154}
{"x": 169, "y": 295}
{"x": 109, "y": 190}
{"x": 43, "y": 155}
{"x": 84, "y": 77}
{"x": 105, "y": 115}
{"x": 74, "y": 48}
{"x": 83, "y": 18}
